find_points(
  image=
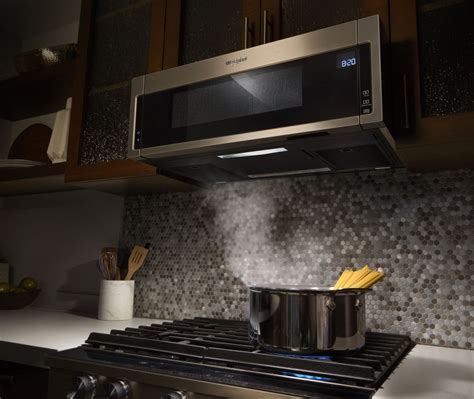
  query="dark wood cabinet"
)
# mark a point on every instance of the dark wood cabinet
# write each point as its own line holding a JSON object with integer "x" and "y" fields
{"x": 212, "y": 27}
{"x": 432, "y": 44}
{"x": 301, "y": 16}
{"x": 270, "y": 21}
{"x": 209, "y": 28}
{"x": 117, "y": 41}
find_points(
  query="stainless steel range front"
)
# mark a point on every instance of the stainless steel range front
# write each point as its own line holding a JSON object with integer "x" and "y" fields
{"x": 310, "y": 103}
{"x": 209, "y": 358}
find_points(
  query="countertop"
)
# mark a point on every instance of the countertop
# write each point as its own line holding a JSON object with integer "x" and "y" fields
{"x": 27, "y": 335}
{"x": 433, "y": 372}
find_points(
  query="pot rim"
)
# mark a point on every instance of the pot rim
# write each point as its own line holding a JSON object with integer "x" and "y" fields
{"x": 297, "y": 289}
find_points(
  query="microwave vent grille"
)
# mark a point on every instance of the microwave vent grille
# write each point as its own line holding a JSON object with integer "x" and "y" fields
{"x": 363, "y": 156}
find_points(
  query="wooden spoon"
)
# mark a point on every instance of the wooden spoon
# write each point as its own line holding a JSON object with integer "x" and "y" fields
{"x": 135, "y": 262}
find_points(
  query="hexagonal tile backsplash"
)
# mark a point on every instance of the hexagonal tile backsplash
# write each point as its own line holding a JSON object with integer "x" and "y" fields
{"x": 208, "y": 245}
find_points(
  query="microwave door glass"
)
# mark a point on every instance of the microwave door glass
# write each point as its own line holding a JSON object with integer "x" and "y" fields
{"x": 239, "y": 95}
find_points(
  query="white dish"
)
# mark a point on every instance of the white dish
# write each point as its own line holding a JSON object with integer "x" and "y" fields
{"x": 18, "y": 163}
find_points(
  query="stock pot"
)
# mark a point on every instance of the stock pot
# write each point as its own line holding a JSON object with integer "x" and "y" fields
{"x": 302, "y": 319}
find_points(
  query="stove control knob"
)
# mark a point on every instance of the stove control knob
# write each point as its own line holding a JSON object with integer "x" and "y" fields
{"x": 174, "y": 395}
{"x": 85, "y": 387}
{"x": 118, "y": 390}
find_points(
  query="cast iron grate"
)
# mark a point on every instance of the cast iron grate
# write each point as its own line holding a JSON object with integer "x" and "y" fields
{"x": 224, "y": 345}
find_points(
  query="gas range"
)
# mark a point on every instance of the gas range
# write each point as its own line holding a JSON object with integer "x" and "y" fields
{"x": 211, "y": 358}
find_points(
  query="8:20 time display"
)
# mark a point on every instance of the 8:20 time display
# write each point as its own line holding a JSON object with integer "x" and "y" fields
{"x": 348, "y": 62}
{"x": 346, "y": 59}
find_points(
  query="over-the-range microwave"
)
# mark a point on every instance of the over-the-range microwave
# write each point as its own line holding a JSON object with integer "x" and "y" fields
{"x": 307, "y": 104}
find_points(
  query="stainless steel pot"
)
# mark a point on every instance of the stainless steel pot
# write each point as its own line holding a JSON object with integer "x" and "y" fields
{"x": 307, "y": 319}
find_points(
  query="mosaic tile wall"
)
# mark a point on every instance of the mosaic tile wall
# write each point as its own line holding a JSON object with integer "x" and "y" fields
{"x": 208, "y": 245}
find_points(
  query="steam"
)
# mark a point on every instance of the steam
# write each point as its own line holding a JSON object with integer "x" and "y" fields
{"x": 257, "y": 249}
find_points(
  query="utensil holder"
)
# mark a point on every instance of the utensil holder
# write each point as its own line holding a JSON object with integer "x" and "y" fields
{"x": 116, "y": 299}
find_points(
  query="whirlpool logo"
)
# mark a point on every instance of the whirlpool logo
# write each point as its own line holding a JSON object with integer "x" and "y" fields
{"x": 236, "y": 61}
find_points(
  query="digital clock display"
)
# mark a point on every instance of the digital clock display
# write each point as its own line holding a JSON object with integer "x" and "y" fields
{"x": 346, "y": 60}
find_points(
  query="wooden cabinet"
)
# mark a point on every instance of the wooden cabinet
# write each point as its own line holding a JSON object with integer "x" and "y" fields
{"x": 301, "y": 16}
{"x": 209, "y": 28}
{"x": 29, "y": 95}
{"x": 35, "y": 180}
{"x": 117, "y": 41}
{"x": 432, "y": 46}
{"x": 267, "y": 21}
{"x": 36, "y": 93}
{"x": 213, "y": 27}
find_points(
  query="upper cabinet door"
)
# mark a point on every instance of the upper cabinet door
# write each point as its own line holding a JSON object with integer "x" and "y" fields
{"x": 301, "y": 16}
{"x": 116, "y": 50}
{"x": 214, "y": 27}
{"x": 433, "y": 82}
{"x": 270, "y": 20}
{"x": 433, "y": 58}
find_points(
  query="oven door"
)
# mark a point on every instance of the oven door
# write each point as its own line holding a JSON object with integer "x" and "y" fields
{"x": 313, "y": 82}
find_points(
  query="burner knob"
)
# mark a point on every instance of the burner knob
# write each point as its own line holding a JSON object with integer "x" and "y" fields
{"x": 117, "y": 390}
{"x": 174, "y": 395}
{"x": 85, "y": 387}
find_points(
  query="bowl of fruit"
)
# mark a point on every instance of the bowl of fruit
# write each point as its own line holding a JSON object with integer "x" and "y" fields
{"x": 12, "y": 297}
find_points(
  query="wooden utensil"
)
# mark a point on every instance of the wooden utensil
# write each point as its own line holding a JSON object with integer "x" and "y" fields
{"x": 135, "y": 262}
{"x": 123, "y": 255}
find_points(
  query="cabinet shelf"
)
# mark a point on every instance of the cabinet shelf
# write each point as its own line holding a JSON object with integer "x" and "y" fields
{"x": 38, "y": 179}
{"x": 37, "y": 92}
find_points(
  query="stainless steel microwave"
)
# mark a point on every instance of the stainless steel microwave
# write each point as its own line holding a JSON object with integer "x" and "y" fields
{"x": 307, "y": 104}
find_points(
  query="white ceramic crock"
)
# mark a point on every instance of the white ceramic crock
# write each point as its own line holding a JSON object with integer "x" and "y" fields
{"x": 116, "y": 299}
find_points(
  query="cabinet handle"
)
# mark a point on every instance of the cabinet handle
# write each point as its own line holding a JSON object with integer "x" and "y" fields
{"x": 247, "y": 29}
{"x": 266, "y": 22}
{"x": 405, "y": 101}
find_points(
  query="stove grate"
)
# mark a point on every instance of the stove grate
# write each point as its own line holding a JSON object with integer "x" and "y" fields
{"x": 224, "y": 345}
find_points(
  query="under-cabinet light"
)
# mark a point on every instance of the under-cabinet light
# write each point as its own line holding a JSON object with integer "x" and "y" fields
{"x": 253, "y": 153}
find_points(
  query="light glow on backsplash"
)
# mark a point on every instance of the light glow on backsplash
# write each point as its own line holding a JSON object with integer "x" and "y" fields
{"x": 209, "y": 245}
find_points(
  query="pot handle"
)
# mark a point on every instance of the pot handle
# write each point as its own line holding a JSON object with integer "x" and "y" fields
{"x": 331, "y": 304}
{"x": 357, "y": 302}
{"x": 252, "y": 334}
